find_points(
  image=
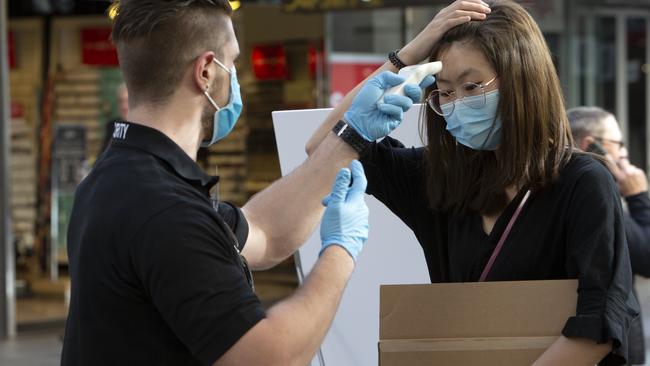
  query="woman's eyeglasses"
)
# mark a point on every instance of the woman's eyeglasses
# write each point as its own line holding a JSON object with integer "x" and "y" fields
{"x": 443, "y": 102}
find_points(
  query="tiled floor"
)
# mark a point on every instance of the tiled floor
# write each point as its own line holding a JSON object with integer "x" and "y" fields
{"x": 32, "y": 349}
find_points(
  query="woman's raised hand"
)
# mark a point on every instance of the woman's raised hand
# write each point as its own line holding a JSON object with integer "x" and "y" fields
{"x": 459, "y": 12}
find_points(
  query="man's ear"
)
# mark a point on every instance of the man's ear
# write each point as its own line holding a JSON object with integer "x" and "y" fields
{"x": 585, "y": 142}
{"x": 203, "y": 72}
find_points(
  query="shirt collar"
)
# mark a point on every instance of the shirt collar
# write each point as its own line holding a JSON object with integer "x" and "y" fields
{"x": 157, "y": 143}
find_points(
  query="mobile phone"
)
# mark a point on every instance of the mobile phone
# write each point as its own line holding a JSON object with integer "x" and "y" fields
{"x": 596, "y": 148}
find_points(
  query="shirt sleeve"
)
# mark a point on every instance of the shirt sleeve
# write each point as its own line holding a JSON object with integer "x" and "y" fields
{"x": 395, "y": 177}
{"x": 192, "y": 274}
{"x": 637, "y": 230}
{"x": 597, "y": 255}
{"x": 236, "y": 221}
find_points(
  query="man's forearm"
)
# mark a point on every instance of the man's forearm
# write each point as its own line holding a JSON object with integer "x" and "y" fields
{"x": 315, "y": 304}
{"x": 288, "y": 210}
{"x": 295, "y": 327}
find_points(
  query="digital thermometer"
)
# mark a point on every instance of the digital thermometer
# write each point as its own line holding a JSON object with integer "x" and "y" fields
{"x": 414, "y": 75}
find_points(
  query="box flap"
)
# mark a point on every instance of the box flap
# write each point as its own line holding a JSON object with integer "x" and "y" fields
{"x": 476, "y": 310}
{"x": 465, "y": 344}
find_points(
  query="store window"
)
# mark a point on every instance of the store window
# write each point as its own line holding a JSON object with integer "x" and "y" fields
{"x": 370, "y": 31}
{"x": 636, "y": 37}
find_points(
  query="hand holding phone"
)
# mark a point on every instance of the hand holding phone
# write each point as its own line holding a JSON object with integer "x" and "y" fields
{"x": 632, "y": 180}
{"x": 596, "y": 148}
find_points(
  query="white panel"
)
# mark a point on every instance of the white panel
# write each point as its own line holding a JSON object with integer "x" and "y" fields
{"x": 392, "y": 255}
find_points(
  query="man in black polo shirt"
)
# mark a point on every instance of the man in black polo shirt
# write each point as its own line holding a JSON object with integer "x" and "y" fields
{"x": 159, "y": 272}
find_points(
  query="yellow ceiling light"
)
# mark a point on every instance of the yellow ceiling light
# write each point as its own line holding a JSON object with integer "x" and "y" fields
{"x": 235, "y": 4}
{"x": 113, "y": 10}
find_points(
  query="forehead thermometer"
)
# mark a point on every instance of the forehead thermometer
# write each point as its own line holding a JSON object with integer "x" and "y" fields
{"x": 414, "y": 75}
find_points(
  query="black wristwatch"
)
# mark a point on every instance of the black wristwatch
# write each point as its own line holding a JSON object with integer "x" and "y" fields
{"x": 348, "y": 134}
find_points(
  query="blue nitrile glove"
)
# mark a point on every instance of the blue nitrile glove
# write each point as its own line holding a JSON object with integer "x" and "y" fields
{"x": 374, "y": 120}
{"x": 345, "y": 222}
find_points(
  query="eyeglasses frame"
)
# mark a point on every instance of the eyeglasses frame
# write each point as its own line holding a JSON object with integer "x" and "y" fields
{"x": 429, "y": 99}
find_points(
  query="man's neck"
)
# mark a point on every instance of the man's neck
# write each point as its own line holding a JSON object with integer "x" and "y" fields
{"x": 181, "y": 126}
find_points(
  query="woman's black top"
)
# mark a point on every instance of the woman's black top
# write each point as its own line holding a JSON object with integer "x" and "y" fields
{"x": 571, "y": 229}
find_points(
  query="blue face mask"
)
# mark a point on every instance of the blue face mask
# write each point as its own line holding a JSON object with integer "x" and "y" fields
{"x": 225, "y": 118}
{"x": 474, "y": 127}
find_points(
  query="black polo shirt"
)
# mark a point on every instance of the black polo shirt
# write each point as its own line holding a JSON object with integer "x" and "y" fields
{"x": 156, "y": 278}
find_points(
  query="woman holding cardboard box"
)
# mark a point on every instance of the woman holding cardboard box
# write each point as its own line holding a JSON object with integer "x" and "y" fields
{"x": 499, "y": 193}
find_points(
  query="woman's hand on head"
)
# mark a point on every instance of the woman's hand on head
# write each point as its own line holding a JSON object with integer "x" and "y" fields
{"x": 459, "y": 12}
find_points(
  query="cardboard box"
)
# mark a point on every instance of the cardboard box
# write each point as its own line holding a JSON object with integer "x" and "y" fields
{"x": 488, "y": 323}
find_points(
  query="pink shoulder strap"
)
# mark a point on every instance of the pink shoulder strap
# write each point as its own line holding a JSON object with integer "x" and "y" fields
{"x": 503, "y": 238}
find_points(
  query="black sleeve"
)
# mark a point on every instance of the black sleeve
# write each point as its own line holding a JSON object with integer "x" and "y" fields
{"x": 236, "y": 220}
{"x": 191, "y": 273}
{"x": 637, "y": 230}
{"x": 395, "y": 177}
{"x": 597, "y": 255}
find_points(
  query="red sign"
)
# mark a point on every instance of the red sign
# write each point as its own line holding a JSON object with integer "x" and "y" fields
{"x": 315, "y": 59}
{"x": 270, "y": 62}
{"x": 97, "y": 48}
{"x": 17, "y": 110}
{"x": 11, "y": 50}
{"x": 347, "y": 72}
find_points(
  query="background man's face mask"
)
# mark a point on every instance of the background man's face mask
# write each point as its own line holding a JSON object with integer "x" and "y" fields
{"x": 476, "y": 128}
{"x": 226, "y": 117}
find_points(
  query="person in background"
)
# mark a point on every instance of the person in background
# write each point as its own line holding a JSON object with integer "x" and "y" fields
{"x": 123, "y": 109}
{"x": 596, "y": 130}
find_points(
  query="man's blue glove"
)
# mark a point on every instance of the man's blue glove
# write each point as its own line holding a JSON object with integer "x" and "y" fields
{"x": 345, "y": 222}
{"x": 374, "y": 120}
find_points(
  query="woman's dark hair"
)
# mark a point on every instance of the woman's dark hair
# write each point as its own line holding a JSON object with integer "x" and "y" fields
{"x": 536, "y": 139}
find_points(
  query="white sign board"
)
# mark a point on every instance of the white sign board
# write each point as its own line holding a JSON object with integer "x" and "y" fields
{"x": 392, "y": 255}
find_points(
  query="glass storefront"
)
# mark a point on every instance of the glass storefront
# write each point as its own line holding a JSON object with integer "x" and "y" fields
{"x": 600, "y": 50}
{"x": 609, "y": 66}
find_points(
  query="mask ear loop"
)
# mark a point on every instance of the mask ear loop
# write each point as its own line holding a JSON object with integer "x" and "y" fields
{"x": 205, "y": 92}
{"x": 494, "y": 122}
{"x": 214, "y": 104}
{"x": 487, "y": 138}
{"x": 222, "y": 65}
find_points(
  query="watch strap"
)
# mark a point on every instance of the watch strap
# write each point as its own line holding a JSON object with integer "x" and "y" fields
{"x": 348, "y": 134}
